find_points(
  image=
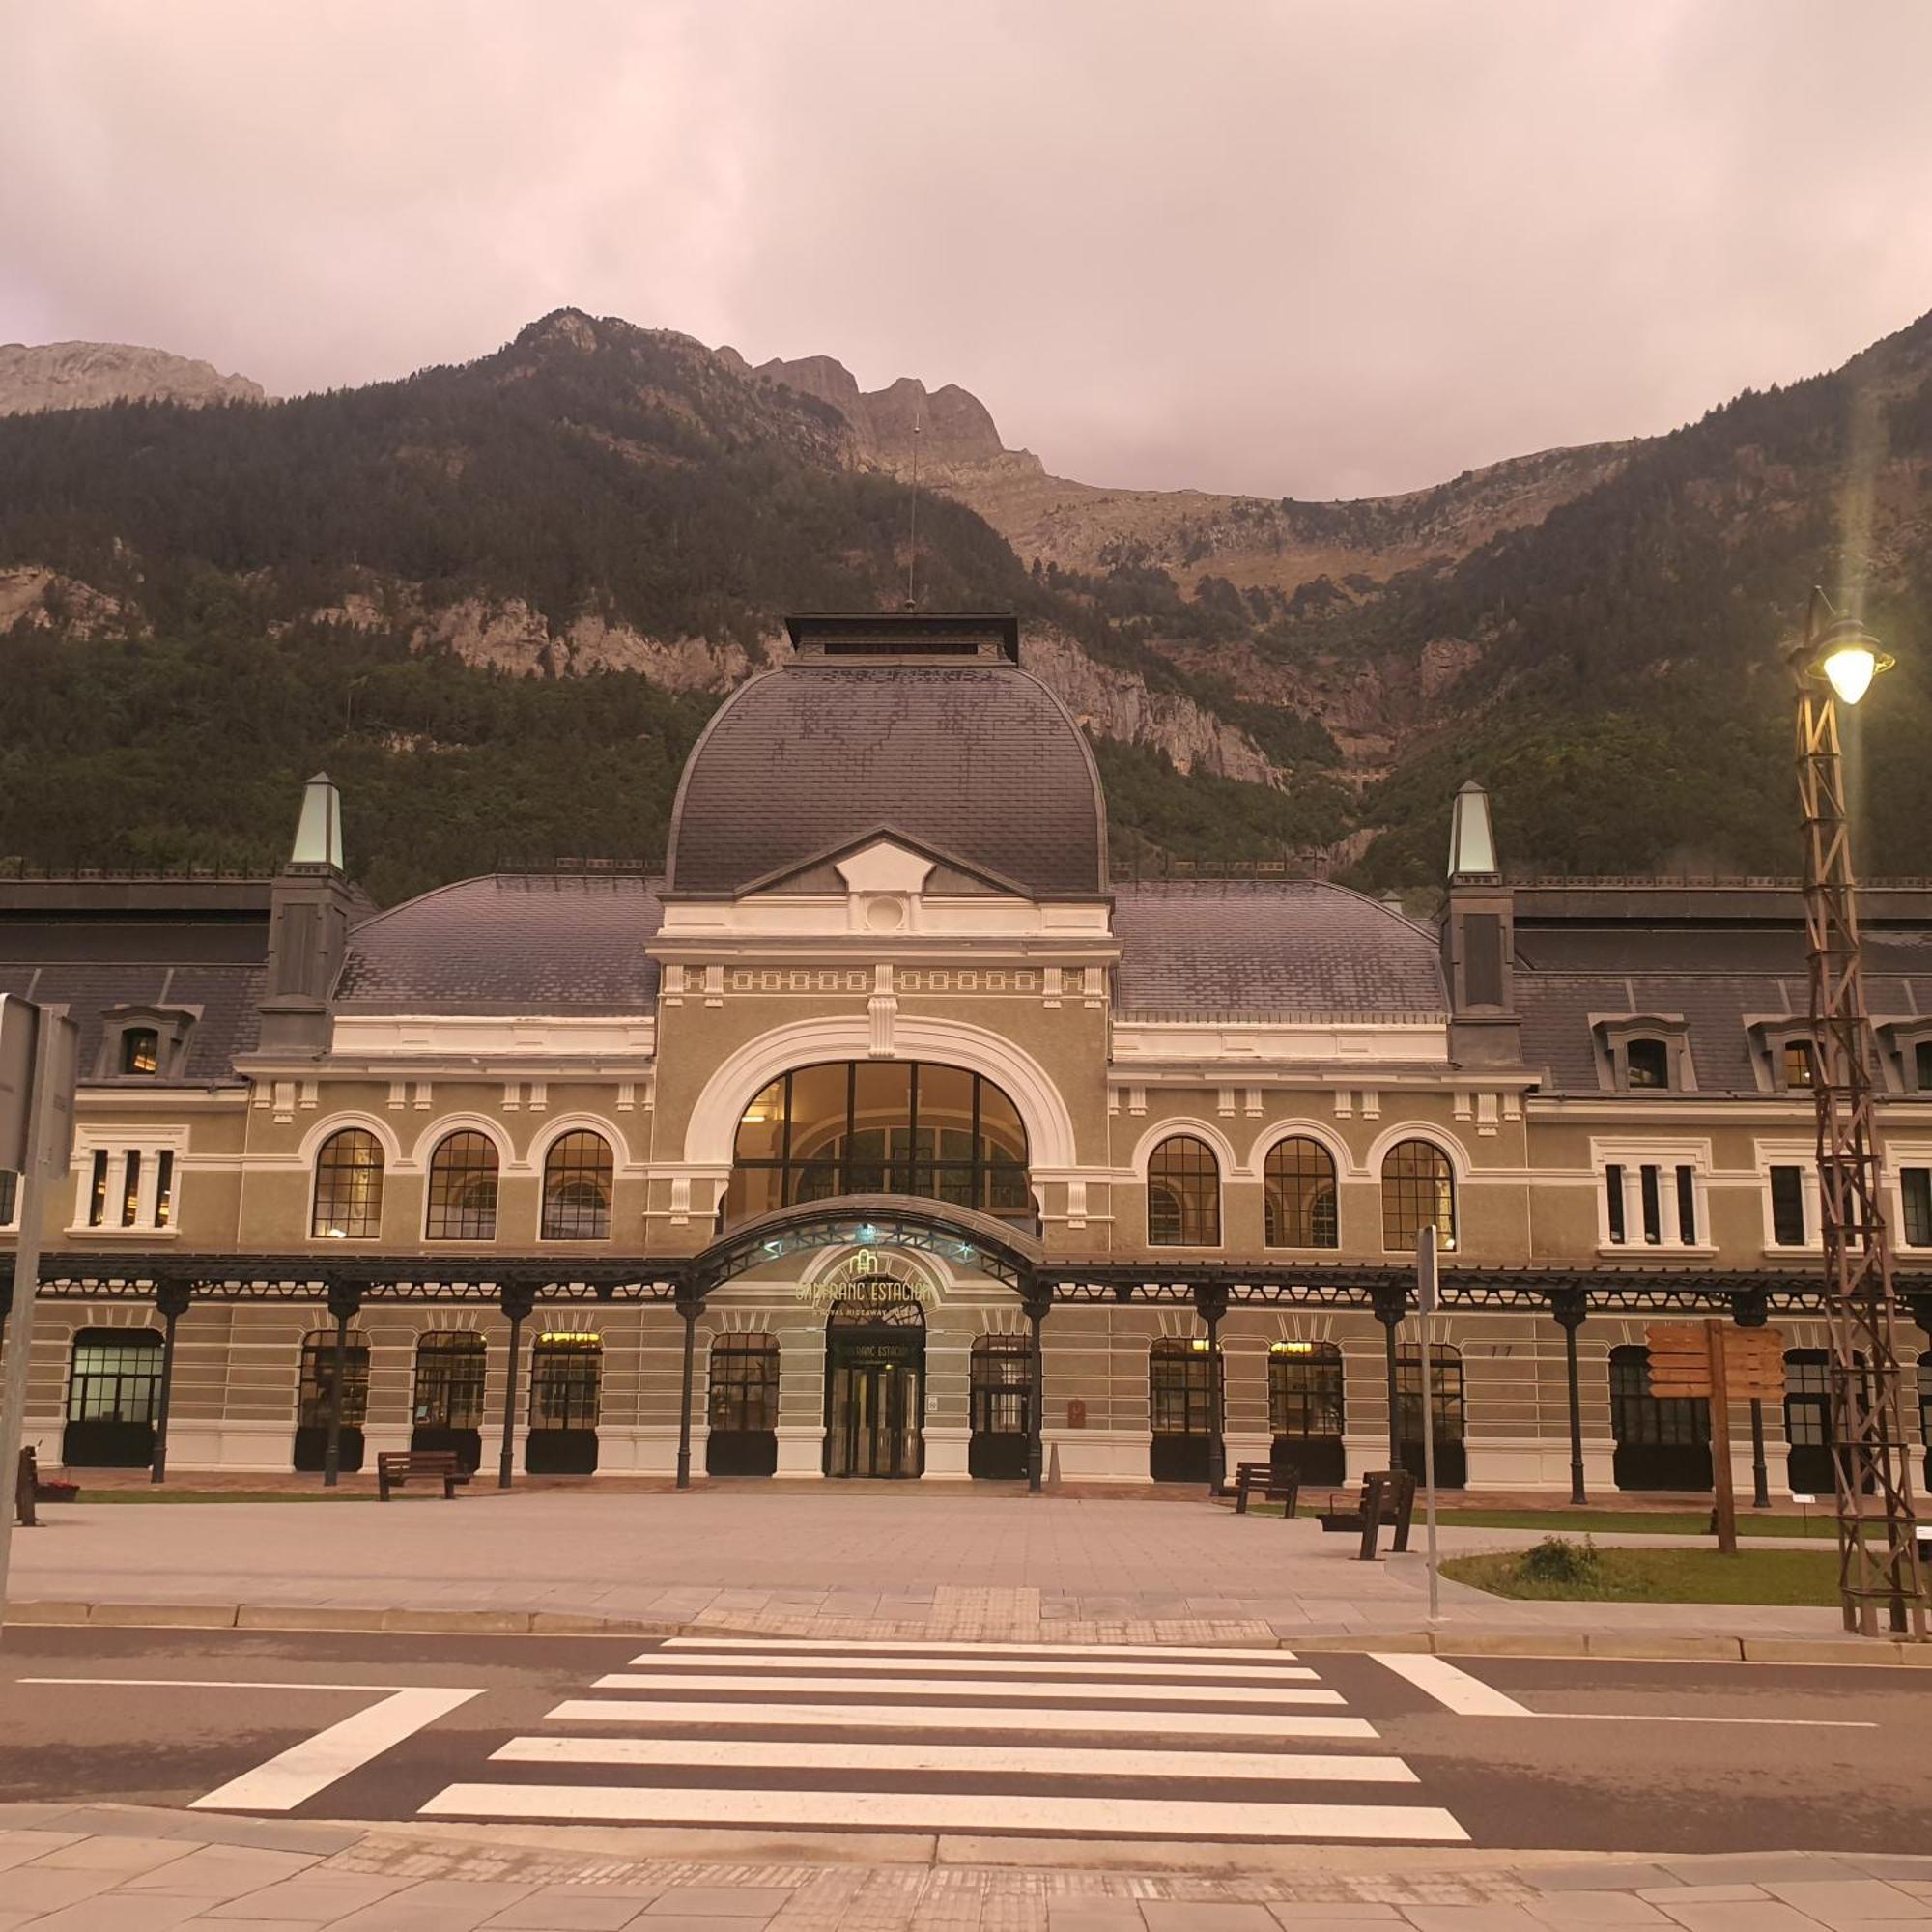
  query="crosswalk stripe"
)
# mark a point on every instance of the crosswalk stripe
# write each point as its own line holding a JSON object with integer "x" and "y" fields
{"x": 1012, "y": 1760}
{"x": 946, "y": 1686}
{"x": 661, "y": 1714}
{"x": 942, "y": 1811}
{"x": 948, "y": 1647}
{"x": 968, "y": 1666}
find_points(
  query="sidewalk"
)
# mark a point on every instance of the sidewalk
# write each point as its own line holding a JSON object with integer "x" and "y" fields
{"x": 884, "y": 1562}
{"x": 103, "y": 1868}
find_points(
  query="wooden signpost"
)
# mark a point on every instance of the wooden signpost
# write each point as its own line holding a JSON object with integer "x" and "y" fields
{"x": 1719, "y": 1362}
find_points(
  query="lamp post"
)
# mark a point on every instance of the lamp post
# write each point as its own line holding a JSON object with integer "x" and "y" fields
{"x": 1878, "y": 1553}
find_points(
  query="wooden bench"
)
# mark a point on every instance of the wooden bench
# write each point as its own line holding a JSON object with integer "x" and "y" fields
{"x": 1270, "y": 1484}
{"x": 1388, "y": 1497}
{"x": 396, "y": 1467}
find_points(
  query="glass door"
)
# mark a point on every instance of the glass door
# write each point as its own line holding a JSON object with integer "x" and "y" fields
{"x": 873, "y": 1408}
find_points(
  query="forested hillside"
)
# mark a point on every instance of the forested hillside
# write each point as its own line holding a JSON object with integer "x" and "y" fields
{"x": 498, "y": 601}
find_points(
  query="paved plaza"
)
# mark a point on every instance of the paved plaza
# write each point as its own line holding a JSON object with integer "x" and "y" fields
{"x": 881, "y": 1560}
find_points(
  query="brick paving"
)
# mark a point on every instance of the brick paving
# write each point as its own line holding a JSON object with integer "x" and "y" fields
{"x": 126, "y": 1869}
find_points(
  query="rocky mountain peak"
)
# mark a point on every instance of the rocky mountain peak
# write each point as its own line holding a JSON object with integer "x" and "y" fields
{"x": 86, "y": 375}
{"x": 955, "y": 428}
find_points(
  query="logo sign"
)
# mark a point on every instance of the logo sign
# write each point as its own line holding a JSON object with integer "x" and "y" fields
{"x": 857, "y": 1280}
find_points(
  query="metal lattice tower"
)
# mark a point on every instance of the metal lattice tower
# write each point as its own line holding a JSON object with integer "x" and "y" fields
{"x": 1878, "y": 1551}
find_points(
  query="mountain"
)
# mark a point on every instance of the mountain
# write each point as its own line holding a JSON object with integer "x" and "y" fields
{"x": 85, "y": 375}
{"x": 498, "y": 601}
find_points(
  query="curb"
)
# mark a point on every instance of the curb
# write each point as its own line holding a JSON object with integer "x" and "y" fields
{"x": 1607, "y": 1645}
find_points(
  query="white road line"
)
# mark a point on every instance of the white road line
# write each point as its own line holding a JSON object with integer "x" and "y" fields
{"x": 944, "y": 1687}
{"x": 661, "y": 1714}
{"x": 943, "y": 1812}
{"x": 761, "y": 1753}
{"x": 1455, "y": 1689}
{"x": 299, "y": 1773}
{"x": 1179, "y": 1673}
{"x": 1647, "y": 1718}
{"x": 210, "y": 1682}
{"x": 946, "y": 1647}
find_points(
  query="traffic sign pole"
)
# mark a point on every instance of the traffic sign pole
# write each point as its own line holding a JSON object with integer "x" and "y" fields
{"x": 43, "y": 1103}
{"x": 1425, "y": 1301}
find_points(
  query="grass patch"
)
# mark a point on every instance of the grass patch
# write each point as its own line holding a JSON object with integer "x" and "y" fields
{"x": 1637, "y": 1522}
{"x": 163, "y": 1493}
{"x": 1559, "y": 1570}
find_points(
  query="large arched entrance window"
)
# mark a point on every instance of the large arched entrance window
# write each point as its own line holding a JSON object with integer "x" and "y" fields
{"x": 1299, "y": 1195}
{"x": 1184, "y": 1195}
{"x": 463, "y": 1189}
{"x": 317, "y": 1393}
{"x": 348, "y": 1187}
{"x": 743, "y": 1411}
{"x": 577, "y": 1175}
{"x": 113, "y": 1396}
{"x": 1418, "y": 1187}
{"x": 446, "y": 1408}
{"x": 1664, "y": 1442}
{"x": 880, "y": 1126}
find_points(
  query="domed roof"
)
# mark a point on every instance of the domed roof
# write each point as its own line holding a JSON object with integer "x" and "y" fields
{"x": 973, "y": 758}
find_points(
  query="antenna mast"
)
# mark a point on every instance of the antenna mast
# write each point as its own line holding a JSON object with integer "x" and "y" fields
{"x": 912, "y": 522}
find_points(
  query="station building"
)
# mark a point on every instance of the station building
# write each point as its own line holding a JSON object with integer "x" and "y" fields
{"x": 890, "y": 1134}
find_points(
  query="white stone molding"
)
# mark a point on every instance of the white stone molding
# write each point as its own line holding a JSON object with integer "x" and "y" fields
{"x": 438, "y": 1132}
{"x": 325, "y": 1130}
{"x": 1330, "y": 1143}
{"x": 553, "y": 1131}
{"x": 1167, "y": 1130}
{"x": 1459, "y": 1164}
{"x": 711, "y": 1132}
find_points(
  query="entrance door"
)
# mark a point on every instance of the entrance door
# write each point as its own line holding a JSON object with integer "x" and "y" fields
{"x": 874, "y": 1392}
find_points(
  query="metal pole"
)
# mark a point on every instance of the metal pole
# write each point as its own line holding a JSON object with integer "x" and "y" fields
{"x": 172, "y": 1299}
{"x": 1211, "y": 1303}
{"x": 1572, "y": 1309}
{"x": 49, "y": 1112}
{"x": 516, "y": 1305}
{"x": 689, "y": 1310}
{"x": 1760, "y": 1475}
{"x": 1389, "y": 1312}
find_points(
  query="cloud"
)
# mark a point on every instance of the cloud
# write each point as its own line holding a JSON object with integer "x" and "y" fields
{"x": 1315, "y": 249}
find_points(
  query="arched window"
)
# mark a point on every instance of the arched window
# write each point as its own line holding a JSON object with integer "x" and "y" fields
{"x": 446, "y": 1411}
{"x": 1184, "y": 1195}
{"x": 348, "y": 1187}
{"x": 874, "y": 1126}
{"x": 140, "y": 1050}
{"x": 999, "y": 1397}
{"x": 1663, "y": 1442}
{"x": 1305, "y": 1413}
{"x": 113, "y": 1396}
{"x": 316, "y": 1393}
{"x": 1445, "y": 1414}
{"x": 1418, "y": 1187}
{"x": 1182, "y": 1407}
{"x": 1808, "y": 1421}
{"x": 566, "y": 1394}
{"x": 463, "y": 1189}
{"x": 743, "y": 1411}
{"x": 1298, "y": 1196}
{"x": 576, "y": 1189}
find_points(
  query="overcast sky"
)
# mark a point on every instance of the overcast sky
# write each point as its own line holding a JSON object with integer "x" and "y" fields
{"x": 1309, "y": 248}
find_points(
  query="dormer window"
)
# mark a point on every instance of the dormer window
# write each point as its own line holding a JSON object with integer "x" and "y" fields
{"x": 140, "y": 1050}
{"x": 144, "y": 1042}
{"x": 1784, "y": 1054}
{"x": 1801, "y": 1066}
{"x": 1921, "y": 1065}
{"x": 1643, "y": 1053}
{"x": 1646, "y": 1063}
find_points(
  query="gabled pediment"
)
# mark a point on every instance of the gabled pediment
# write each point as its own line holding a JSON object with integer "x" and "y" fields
{"x": 885, "y": 861}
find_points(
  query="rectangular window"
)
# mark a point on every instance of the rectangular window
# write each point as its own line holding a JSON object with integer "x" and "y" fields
{"x": 96, "y": 1195}
{"x": 1915, "y": 1185}
{"x": 130, "y": 1189}
{"x": 1687, "y": 1206}
{"x": 164, "y": 1187}
{"x": 1613, "y": 1187}
{"x": 1921, "y": 1065}
{"x": 1653, "y": 1205}
{"x": 1787, "y": 1206}
{"x": 10, "y": 1198}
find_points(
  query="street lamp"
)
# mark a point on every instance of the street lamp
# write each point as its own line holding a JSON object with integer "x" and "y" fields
{"x": 1878, "y": 1550}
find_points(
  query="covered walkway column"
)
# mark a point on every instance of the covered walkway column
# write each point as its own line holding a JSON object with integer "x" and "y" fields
{"x": 345, "y": 1302}
{"x": 172, "y": 1298}
{"x": 1391, "y": 1305}
{"x": 516, "y": 1302}
{"x": 1571, "y": 1307}
{"x": 1211, "y": 1303}
{"x": 1037, "y": 1298}
{"x": 690, "y": 1305}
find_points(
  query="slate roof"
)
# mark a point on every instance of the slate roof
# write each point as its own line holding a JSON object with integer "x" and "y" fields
{"x": 1271, "y": 947}
{"x": 226, "y": 993}
{"x": 1718, "y": 981}
{"x": 527, "y": 943}
{"x": 978, "y": 760}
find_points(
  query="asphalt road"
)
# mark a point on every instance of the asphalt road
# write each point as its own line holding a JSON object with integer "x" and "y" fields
{"x": 1200, "y": 1745}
